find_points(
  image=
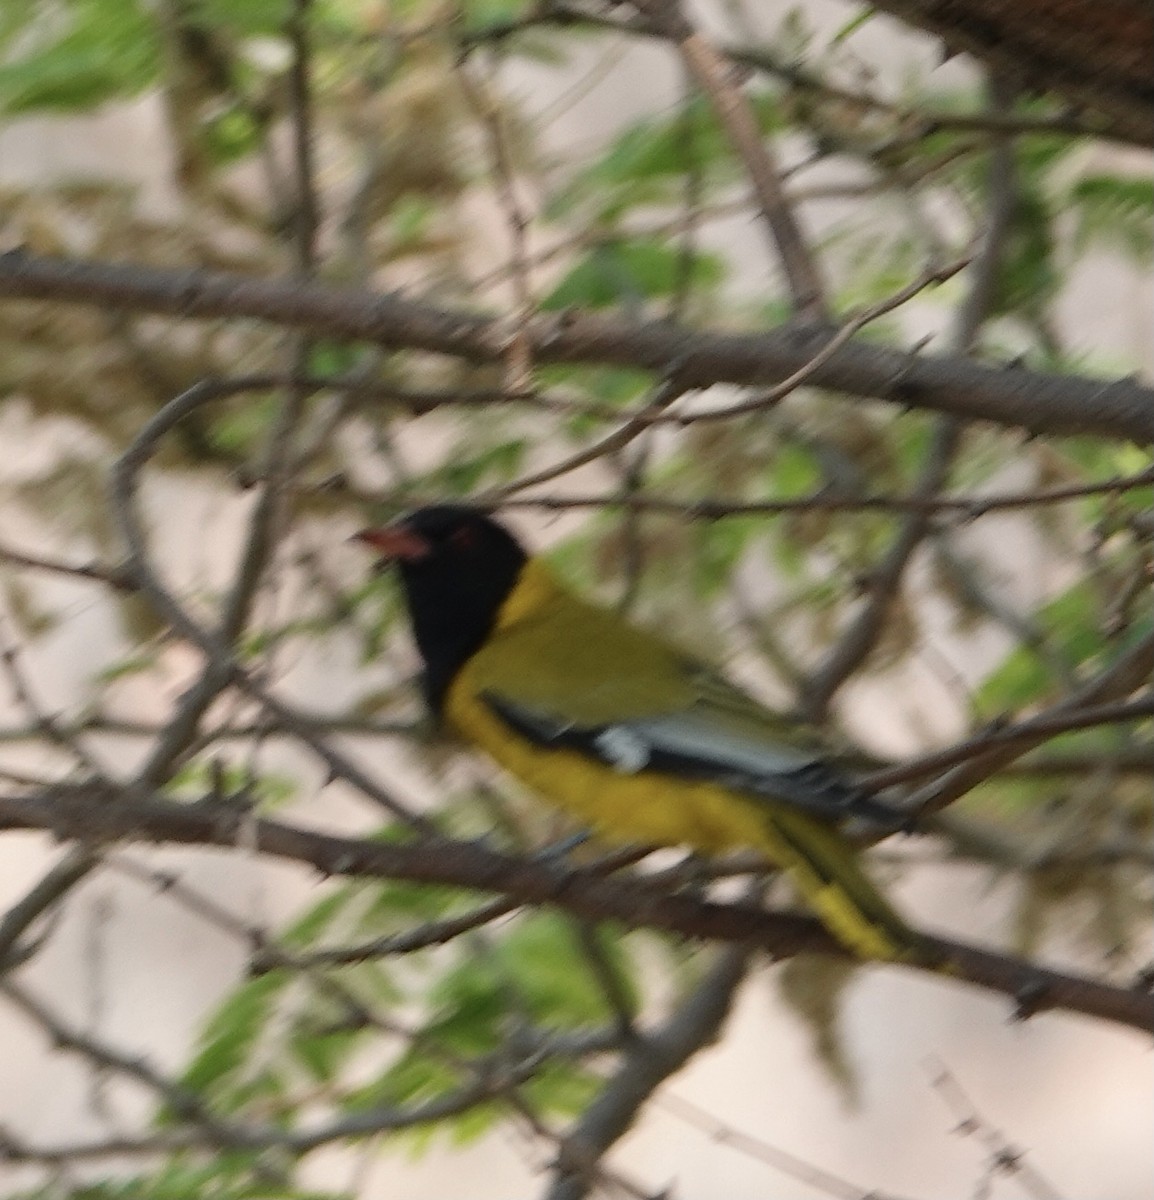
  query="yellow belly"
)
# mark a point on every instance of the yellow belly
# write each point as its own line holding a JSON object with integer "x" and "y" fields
{"x": 651, "y": 808}
{"x": 646, "y": 807}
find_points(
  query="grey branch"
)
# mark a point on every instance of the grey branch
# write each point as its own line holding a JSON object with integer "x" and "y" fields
{"x": 1035, "y": 401}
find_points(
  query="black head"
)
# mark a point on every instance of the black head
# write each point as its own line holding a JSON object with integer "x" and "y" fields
{"x": 457, "y": 567}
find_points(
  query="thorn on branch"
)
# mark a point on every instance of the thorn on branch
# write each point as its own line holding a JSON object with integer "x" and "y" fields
{"x": 863, "y": 583}
{"x": 342, "y": 864}
{"x": 1144, "y": 980}
{"x": 997, "y": 724}
{"x": 676, "y": 377}
{"x": 1007, "y": 1161}
{"x": 1030, "y": 998}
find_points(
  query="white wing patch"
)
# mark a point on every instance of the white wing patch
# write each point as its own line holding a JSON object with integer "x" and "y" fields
{"x": 692, "y": 744}
{"x": 623, "y": 749}
{"x": 695, "y": 735}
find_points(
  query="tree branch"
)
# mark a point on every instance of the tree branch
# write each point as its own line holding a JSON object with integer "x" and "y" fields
{"x": 1131, "y": 671}
{"x": 735, "y": 114}
{"x": 96, "y": 813}
{"x": 1037, "y": 402}
{"x": 650, "y": 1059}
{"x": 1094, "y": 51}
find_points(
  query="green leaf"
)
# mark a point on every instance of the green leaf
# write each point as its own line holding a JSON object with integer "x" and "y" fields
{"x": 563, "y": 1089}
{"x": 224, "y": 1176}
{"x": 1073, "y": 634}
{"x": 792, "y": 472}
{"x": 469, "y": 468}
{"x": 132, "y": 664}
{"x": 646, "y": 165}
{"x": 534, "y": 971}
{"x": 861, "y": 18}
{"x": 626, "y": 272}
{"x": 815, "y": 988}
{"x": 599, "y": 386}
{"x": 229, "y": 1039}
{"x": 241, "y": 428}
{"x": 207, "y": 775}
{"x": 1029, "y": 274}
{"x": 232, "y": 135}
{"x": 92, "y": 52}
{"x": 248, "y": 17}
{"x": 1114, "y": 210}
{"x": 480, "y": 14}
{"x": 718, "y": 548}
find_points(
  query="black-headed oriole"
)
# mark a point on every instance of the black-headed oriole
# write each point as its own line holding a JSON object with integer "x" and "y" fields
{"x": 629, "y": 734}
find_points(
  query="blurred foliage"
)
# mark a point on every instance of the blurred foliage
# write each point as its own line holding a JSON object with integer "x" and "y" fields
{"x": 636, "y": 225}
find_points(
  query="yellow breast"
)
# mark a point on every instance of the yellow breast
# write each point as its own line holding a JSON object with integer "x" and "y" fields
{"x": 646, "y": 807}
{"x": 542, "y": 640}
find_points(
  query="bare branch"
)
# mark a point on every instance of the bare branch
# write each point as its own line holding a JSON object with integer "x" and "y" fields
{"x": 75, "y": 865}
{"x": 95, "y": 572}
{"x": 772, "y": 1156}
{"x": 1034, "y": 731}
{"x": 648, "y": 1060}
{"x": 735, "y": 114}
{"x": 1014, "y": 396}
{"x": 883, "y": 583}
{"x": 183, "y": 1102}
{"x": 87, "y": 813}
{"x": 1132, "y": 670}
{"x": 1004, "y": 1159}
{"x": 1126, "y": 119}
{"x": 968, "y": 507}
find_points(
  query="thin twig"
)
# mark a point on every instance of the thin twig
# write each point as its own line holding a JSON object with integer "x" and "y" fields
{"x": 1029, "y": 733}
{"x": 1004, "y": 1159}
{"x": 179, "y": 1099}
{"x": 97, "y": 572}
{"x": 882, "y": 584}
{"x": 629, "y": 431}
{"x": 714, "y": 76}
{"x": 75, "y": 865}
{"x": 222, "y": 668}
{"x": 1131, "y": 671}
{"x": 914, "y": 123}
{"x": 49, "y": 726}
{"x": 760, "y": 1150}
{"x": 519, "y": 363}
{"x": 648, "y": 1059}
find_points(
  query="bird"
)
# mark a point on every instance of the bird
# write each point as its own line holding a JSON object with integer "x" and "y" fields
{"x": 635, "y": 738}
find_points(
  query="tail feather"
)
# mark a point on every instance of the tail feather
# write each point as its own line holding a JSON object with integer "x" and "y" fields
{"x": 828, "y": 873}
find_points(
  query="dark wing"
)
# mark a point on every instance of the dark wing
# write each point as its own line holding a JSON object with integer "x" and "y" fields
{"x": 708, "y": 742}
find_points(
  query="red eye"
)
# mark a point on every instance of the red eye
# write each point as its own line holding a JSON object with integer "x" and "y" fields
{"x": 465, "y": 537}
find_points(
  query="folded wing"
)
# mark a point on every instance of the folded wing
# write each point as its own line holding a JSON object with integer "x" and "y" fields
{"x": 708, "y": 743}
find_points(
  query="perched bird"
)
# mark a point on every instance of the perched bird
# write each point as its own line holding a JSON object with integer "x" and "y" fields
{"x": 631, "y": 735}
